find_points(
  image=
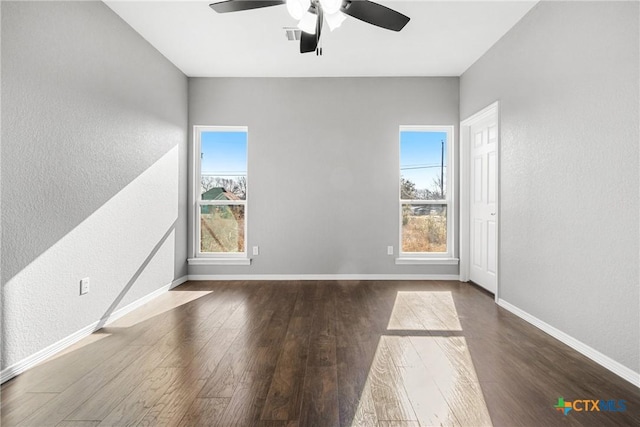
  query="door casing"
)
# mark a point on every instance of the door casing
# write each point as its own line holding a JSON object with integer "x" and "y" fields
{"x": 465, "y": 190}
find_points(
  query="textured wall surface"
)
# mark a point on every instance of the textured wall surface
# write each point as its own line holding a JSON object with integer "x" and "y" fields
{"x": 93, "y": 170}
{"x": 323, "y": 166}
{"x": 568, "y": 82}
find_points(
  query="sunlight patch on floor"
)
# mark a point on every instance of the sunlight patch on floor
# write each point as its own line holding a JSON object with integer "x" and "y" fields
{"x": 423, "y": 311}
{"x": 163, "y": 303}
{"x": 91, "y": 339}
{"x": 426, "y": 379}
{"x": 450, "y": 367}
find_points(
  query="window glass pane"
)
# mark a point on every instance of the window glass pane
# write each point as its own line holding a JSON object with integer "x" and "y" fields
{"x": 423, "y": 165}
{"x": 424, "y": 228}
{"x": 222, "y": 228}
{"x": 223, "y": 165}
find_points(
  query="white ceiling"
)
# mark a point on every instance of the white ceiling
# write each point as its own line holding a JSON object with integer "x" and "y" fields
{"x": 443, "y": 38}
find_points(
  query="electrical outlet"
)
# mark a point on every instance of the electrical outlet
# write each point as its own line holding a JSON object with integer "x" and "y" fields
{"x": 84, "y": 286}
{"x": 389, "y": 250}
{"x": 256, "y": 250}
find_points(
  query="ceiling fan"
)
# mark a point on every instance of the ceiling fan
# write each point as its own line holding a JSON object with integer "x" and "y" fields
{"x": 311, "y": 15}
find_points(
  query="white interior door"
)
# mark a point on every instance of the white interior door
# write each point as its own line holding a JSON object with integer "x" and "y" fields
{"x": 483, "y": 226}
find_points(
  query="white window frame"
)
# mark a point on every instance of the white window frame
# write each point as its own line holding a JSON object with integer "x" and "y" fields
{"x": 438, "y": 258}
{"x": 214, "y": 258}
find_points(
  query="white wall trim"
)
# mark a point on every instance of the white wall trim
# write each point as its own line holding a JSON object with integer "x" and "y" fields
{"x": 601, "y": 359}
{"x": 31, "y": 361}
{"x": 427, "y": 261}
{"x": 219, "y": 261}
{"x": 195, "y": 177}
{"x": 482, "y": 114}
{"x": 323, "y": 277}
{"x": 451, "y": 180}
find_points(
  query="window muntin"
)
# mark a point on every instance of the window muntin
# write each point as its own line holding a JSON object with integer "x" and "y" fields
{"x": 426, "y": 220}
{"x": 221, "y": 198}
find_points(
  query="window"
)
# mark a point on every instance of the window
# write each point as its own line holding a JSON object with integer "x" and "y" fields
{"x": 220, "y": 193}
{"x": 426, "y": 200}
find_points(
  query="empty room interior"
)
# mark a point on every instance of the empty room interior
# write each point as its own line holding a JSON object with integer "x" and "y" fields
{"x": 319, "y": 213}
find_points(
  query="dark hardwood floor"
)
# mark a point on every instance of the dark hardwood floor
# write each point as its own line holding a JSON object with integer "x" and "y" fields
{"x": 285, "y": 354}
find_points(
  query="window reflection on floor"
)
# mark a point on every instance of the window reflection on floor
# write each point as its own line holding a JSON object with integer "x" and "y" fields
{"x": 422, "y": 371}
{"x": 424, "y": 311}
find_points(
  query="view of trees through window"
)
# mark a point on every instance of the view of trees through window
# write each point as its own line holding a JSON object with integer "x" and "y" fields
{"x": 235, "y": 185}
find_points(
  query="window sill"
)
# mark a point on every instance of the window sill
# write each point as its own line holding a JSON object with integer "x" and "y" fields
{"x": 219, "y": 261}
{"x": 427, "y": 261}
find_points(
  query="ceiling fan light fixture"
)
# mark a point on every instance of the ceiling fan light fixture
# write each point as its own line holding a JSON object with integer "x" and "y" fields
{"x": 334, "y": 20}
{"x": 331, "y": 6}
{"x": 308, "y": 22}
{"x": 296, "y": 8}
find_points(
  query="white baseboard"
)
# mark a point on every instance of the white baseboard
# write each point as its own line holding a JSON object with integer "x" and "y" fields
{"x": 601, "y": 359}
{"x": 45, "y": 353}
{"x": 31, "y": 361}
{"x": 323, "y": 277}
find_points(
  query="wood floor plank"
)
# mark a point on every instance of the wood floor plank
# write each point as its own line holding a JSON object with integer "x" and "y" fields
{"x": 17, "y": 410}
{"x": 137, "y": 403}
{"x": 185, "y": 351}
{"x": 204, "y": 412}
{"x": 173, "y": 405}
{"x": 108, "y": 397}
{"x": 400, "y": 424}
{"x": 354, "y": 356}
{"x": 247, "y": 402}
{"x": 401, "y": 351}
{"x": 322, "y": 341}
{"x": 231, "y": 368}
{"x": 441, "y": 306}
{"x": 227, "y": 374}
{"x": 467, "y": 402}
{"x": 363, "y": 411}
{"x": 285, "y": 391}
{"x": 320, "y": 397}
{"x": 388, "y": 390}
{"x": 206, "y": 361}
{"x": 442, "y": 368}
{"x": 78, "y": 424}
{"x": 427, "y": 401}
{"x": 46, "y": 378}
{"x": 409, "y": 314}
{"x": 459, "y": 359}
{"x": 77, "y": 394}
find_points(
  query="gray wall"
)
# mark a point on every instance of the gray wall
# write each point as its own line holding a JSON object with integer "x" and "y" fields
{"x": 94, "y": 149}
{"x": 323, "y": 166}
{"x": 568, "y": 82}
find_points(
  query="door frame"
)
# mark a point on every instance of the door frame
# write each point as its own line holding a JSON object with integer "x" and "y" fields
{"x": 465, "y": 190}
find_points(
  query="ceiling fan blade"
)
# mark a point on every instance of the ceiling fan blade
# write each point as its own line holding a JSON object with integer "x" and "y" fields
{"x": 238, "y": 5}
{"x": 375, "y": 14}
{"x": 309, "y": 42}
